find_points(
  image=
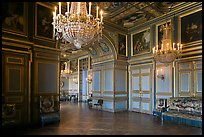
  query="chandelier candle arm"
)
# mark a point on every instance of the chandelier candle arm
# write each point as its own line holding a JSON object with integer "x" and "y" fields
{"x": 54, "y": 15}
{"x": 153, "y": 50}
{"x": 59, "y": 7}
{"x": 97, "y": 12}
{"x": 67, "y": 7}
{"x": 89, "y": 8}
{"x": 65, "y": 65}
{"x": 101, "y": 12}
{"x": 78, "y": 9}
{"x": 173, "y": 46}
{"x": 162, "y": 47}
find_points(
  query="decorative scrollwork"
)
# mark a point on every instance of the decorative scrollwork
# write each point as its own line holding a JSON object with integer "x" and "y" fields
{"x": 47, "y": 104}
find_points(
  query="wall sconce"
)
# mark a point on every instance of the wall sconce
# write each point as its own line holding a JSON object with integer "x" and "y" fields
{"x": 160, "y": 74}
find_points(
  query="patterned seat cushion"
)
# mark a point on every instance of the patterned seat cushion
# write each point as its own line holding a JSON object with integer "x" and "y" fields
{"x": 190, "y": 105}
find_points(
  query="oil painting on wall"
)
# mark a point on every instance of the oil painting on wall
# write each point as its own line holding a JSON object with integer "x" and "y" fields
{"x": 44, "y": 22}
{"x": 191, "y": 27}
{"x": 141, "y": 42}
{"x": 13, "y": 16}
{"x": 122, "y": 44}
{"x": 104, "y": 47}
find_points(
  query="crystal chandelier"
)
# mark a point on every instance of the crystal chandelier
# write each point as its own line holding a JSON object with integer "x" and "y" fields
{"x": 66, "y": 72}
{"x": 76, "y": 26}
{"x": 169, "y": 51}
{"x": 89, "y": 79}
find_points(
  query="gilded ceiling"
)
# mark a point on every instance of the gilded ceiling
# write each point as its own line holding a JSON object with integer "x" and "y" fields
{"x": 128, "y": 14}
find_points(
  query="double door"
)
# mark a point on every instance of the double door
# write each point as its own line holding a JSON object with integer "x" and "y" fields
{"x": 189, "y": 78}
{"x": 141, "y": 89}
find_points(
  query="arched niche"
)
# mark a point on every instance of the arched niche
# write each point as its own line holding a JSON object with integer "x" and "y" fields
{"x": 103, "y": 49}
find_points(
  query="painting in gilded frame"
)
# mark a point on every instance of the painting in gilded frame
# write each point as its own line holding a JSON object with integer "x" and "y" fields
{"x": 141, "y": 42}
{"x": 44, "y": 22}
{"x": 122, "y": 44}
{"x": 13, "y": 16}
{"x": 191, "y": 27}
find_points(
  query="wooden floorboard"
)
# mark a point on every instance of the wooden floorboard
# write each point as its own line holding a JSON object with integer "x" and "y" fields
{"x": 79, "y": 119}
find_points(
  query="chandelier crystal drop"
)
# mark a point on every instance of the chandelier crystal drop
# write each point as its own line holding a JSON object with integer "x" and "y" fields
{"x": 169, "y": 51}
{"x": 77, "y": 26}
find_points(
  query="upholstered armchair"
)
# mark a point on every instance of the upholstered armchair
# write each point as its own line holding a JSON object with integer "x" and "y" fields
{"x": 49, "y": 110}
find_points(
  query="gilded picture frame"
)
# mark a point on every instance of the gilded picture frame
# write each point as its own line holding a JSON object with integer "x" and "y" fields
{"x": 122, "y": 44}
{"x": 43, "y": 21}
{"x": 191, "y": 27}
{"x": 14, "y": 17}
{"x": 141, "y": 42}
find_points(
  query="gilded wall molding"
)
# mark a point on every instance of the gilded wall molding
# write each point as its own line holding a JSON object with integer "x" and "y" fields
{"x": 121, "y": 66}
{"x": 104, "y": 59}
{"x": 45, "y": 47}
{"x": 120, "y": 92}
{"x": 141, "y": 63}
{"x": 108, "y": 92}
{"x": 108, "y": 65}
{"x": 198, "y": 57}
{"x": 7, "y": 39}
{"x": 17, "y": 51}
{"x": 107, "y": 98}
{"x": 14, "y": 99}
{"x": 119, "y": 99}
